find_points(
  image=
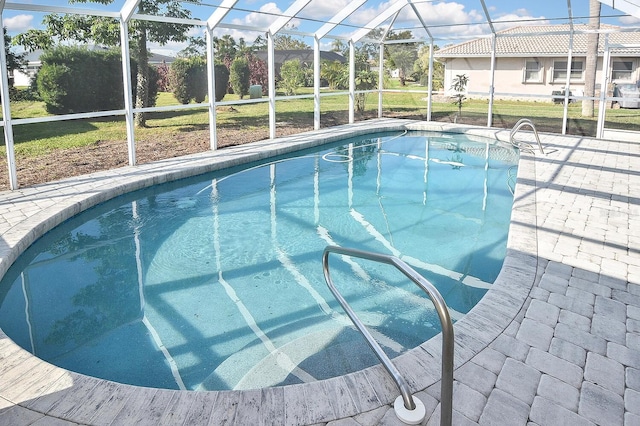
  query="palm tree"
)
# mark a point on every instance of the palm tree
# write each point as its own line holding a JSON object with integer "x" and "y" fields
{"x": 592, "y": 58}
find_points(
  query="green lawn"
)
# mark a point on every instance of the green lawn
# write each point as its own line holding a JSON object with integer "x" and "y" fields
{"x": 41, "y": 138}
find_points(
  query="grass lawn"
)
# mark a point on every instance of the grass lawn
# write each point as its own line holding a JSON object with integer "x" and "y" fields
{"x": 32, "y": 140}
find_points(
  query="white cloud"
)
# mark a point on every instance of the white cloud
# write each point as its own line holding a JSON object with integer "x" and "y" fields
{"x": 323, "y": 9}
{"x": 629, "y": 20}
{"x": 262, "y": 18}
{"x": 518, "y": 17}
{"x": 18, "y": 23}
{"x": 451, "y": 15}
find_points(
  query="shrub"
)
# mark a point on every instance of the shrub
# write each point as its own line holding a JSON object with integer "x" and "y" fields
{"x": 222, "y": 81}
{"x": 291, "y": 76}
{"x": 73, "y": 80}
{"x": 197, "y": 79}
{"x": 259, "y": 73}
{"x": 188, "y": 80}
{"x": 239, "y": 76}
{"x": 153, "y": 88}
{"x": 52, "y": 82}
{"x": 163, "y": 77}
{"x": 178, "y": 81}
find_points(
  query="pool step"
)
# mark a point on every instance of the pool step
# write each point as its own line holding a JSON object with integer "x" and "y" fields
{"x": 320, "y": 355}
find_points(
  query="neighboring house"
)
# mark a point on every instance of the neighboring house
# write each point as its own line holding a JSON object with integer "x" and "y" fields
{"x": 532, "y": 60}
{"x": 23, "y": 78}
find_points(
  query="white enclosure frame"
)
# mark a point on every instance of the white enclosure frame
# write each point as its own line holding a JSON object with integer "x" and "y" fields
{"x": 127, "y": 13}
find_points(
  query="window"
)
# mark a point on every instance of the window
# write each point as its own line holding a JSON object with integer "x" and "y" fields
{"x": 532, "y": 71}
{"x": 560, "y": 70}
{"x": 622, "y": 70}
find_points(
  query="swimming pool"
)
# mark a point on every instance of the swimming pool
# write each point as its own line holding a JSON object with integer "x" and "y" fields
{"x": 171, "y": 248}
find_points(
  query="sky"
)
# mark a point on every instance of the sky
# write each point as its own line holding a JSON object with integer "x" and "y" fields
{"x": 449, "y": 21}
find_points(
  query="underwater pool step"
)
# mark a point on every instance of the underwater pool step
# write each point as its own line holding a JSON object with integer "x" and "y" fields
{"x": 320, "y": 355}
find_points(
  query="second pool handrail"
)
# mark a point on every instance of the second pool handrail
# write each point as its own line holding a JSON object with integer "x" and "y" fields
{"x": 446, "y": 391}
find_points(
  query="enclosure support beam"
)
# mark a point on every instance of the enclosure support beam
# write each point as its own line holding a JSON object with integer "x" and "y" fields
{"x": 128, "y": 97}
{"x": 213, "y": 20}
{"x": 492, "y": 81}
{"x": 352, "y": 81}
{"x": 603, "y": 88}
{"x": 344, "y": 13}
{"x": 492, "y": 78}
{"x": 567, "y": 88}
{"x": 6, "y": 117}
{"x": 211, "y": 77}
{"x": 430, "y": 85}
{"x": 380, "y": 78}
{"x": 276, "y": 26}
{"x": 271, "y": 67}
{"x": 316, "y": 83}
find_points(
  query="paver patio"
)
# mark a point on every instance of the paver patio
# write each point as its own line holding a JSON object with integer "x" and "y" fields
{"x": 556, "y": 342}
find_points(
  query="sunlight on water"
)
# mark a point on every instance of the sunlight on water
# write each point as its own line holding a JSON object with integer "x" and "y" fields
{"x": 216, "y": 282}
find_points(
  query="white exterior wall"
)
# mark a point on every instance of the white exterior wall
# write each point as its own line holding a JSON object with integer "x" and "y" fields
{"x": 509, "y": 78}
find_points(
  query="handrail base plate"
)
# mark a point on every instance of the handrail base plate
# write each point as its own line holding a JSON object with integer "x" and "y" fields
{"x": 409, "y": 417}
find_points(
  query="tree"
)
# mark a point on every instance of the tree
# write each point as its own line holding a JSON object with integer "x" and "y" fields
{"x": 333, "y": 72}
{"x": 226, "y": 48}
{"x": 421, "y": 68}
{"x": 258, "y": 72}
{"x": 339, "y": 46}
{"x": 15, "y": 61}
{"x": 260, "y": 43}
{"x": 459, "y": 86}
{"x": 106, "y": 31}
{"x": 240, "y": 77}
{"x": 365, "y": 80}
{"x": 196, "y": 48}
{"x": 286, "y": 42}
{"x": 402, "y": 55}
{"x": 592, "y": 58}
{"x": 292, "y": 76}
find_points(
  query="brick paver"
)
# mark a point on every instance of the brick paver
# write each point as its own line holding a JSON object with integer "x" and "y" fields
{"x": 569, "y": 355}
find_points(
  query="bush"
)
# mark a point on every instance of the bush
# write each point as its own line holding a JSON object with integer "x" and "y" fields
{"x": 52, "y": 82}
{"x": 222, "y": 81}
{"x": 239, "y": 76}
{"x": 73, "y": 80}
{"x": 178, "y": 82}
{"x": 163, "y": 77}
{"x": 188, "y": 80}
{"x": 197, "y": 79}
{"x": 259, "y": 72}
{"x": 291, "y": 76}
{"x": 154, "y": 87}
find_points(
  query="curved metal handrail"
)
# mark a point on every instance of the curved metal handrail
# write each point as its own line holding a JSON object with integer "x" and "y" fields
{"x": 525, "y": 122}
{"x": 446, "y": 390}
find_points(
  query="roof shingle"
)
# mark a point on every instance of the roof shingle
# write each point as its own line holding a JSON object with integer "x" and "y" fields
{"x": 541, "y": 40}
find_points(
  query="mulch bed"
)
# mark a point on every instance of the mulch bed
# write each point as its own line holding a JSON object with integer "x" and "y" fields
{"x": 105, "y": 155}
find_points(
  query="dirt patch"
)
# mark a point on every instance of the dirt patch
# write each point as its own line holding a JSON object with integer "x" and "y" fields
{"x": 105, "y": 155}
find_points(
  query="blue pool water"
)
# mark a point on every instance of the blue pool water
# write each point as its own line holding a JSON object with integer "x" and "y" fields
{"x": 216, "y": 282}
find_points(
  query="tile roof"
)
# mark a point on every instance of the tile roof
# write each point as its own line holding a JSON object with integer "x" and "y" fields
{"x": 541, "y": 40}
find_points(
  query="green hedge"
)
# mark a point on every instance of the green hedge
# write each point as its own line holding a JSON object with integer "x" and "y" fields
{"x": 188, "y": 80}
{"x": 73, "y": 80}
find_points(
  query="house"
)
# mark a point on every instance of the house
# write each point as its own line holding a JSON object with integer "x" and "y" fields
{"x": 531, "y": 61}
{"x": 23, "y": 78}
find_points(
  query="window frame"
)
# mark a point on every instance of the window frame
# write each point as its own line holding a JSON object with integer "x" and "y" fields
{"x": 525, "y": 71}
{"x": 574, "y": 70}
{"x": 629, "y": 71}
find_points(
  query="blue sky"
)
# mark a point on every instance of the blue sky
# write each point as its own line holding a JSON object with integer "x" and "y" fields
{"x": 451, "y": 20}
